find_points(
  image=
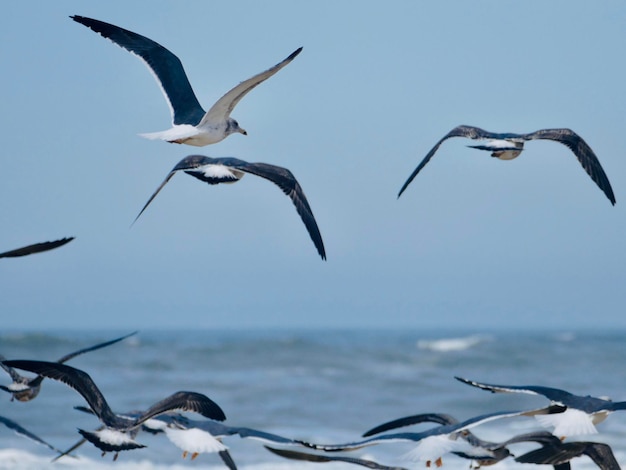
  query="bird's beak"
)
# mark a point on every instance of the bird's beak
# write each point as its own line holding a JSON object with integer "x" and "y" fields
{"x": 243, "y": 131}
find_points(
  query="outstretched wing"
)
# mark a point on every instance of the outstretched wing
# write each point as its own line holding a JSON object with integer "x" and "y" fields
{"x": 294, "y": 455}
{"x": 165, "y": 66}
{"x": 74, "y": 378}
{"x": 221, "y": 110}
{"x": 583, "y": 152}
{"x": 93, "y": 348}
{"x": 438, "y": 418}
{"x": 554, "y": 394}
{"x": 285, "y": 180}
{"x": 35, "y": 248}
{"x": 24, "y": 432}
{"x": 459, "y": 131}
{"x": 185, "y": 401}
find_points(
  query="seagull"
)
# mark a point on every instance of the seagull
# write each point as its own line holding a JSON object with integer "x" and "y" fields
{"x": 25, "y": 389}
{"x": 194, "y": 437}
{"x": 433, "y": 443}
{"x": 35, "y": 248}
{"x": 557, "y": 453}
{"x": 482, "y": 452}
{"x": 294, "y": 455}
{"x": 508, "y": 146}
{"x": 230, "y": 170}
{"x": 24, "y": 432}
{"x": 119, "y": 430}
{"x": 580, "y": 417}
{"x": 191, "y": 124}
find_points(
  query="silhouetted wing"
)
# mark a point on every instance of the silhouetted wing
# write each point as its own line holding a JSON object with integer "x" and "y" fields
{"x": 562, "y": 453}
{"x": 553, "y": 394}
{"x": 221, "y": 110}
{"x": 24, "y": 432}
{"x": 35, "y": 248}
{"x": 185, "y": 401}
{"x": 438, "y": 418}
{"x": 416, "y": 436}
{"x": 169, "y": 177}
{"x": 93, "y": 348}
{"x": 294, "y": 455}
{"x": 583, "y": 152}
{"x": 165, "y": 66}
{"x": 76, "y": 379}
{"x": 460, "y": 131}
{"x": 285, "y": 180}
{"x": 602, "y": 455}
{"x": 227, "y": 459}
{"x": 542, "y": 437}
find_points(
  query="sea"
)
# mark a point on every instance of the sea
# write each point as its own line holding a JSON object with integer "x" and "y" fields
{"x": 320, "y": 385}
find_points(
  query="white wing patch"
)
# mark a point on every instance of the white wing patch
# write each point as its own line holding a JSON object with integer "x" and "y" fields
{"x": 222, "y": 172}
{"x": 116, "y": 438}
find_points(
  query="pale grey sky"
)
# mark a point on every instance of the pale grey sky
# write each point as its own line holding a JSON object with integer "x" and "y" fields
{"x": 473, "y": 242}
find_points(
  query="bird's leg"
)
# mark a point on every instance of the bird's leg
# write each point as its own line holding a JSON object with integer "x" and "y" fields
{"x": 428, "y": 464}
{"x": 117, "y": 454}
{"x": 194, "y": 455}
{"x": 102, "y": 454}
{"x": 185, "y": 454}
{"x": 439, "y": 462}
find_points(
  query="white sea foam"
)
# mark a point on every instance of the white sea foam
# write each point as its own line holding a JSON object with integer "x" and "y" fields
{"x": 452, "y": 344}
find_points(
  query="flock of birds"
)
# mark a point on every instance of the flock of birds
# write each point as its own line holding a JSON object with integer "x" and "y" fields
{"x": 192, "y": 125}
{"x": 569, "y": 414}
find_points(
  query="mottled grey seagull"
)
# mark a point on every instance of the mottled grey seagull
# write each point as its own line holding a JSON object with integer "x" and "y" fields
{"x": 119, "y": 430}
{"x": 35, "y": 248}
{"x": 25, "y": 389}
{"x": 507, "y": 146}
{"x": 581, "y": 415}
{"x": 190, "y": 123}
{"x": 230, "y": 170}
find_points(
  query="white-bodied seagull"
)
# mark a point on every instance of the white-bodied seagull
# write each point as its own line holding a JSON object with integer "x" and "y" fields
{"x": 433, "y": 443}
{"x": 580, "y": 417}
{"x": 507, "y": 146}
{"x": 230, "y": 170}
{"x": 190, "y": 123}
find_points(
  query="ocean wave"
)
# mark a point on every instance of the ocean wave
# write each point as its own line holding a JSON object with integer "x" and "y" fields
{"x": 452, "y": 344}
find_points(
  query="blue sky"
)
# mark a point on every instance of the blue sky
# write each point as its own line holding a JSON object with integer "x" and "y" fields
{"x": 473, "y": 242}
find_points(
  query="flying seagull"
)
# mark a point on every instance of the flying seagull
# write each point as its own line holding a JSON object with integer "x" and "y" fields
{"x": 119, "y": 430}
{"x": 191, "y": 124}
{"x": 230, "y": 170}
{"x": 304, "y": 456}
{"x": 433, "y": 443}
{"x": 507, "y": 146}
{"x": 195, "y": 437}
{"x": 25, "y": 389}
{"x": 482, "y": 452}
{"x": 580, "y": 417}
{"x": 557, "y": 453}
{"x": 9, "y": 423}
{"x": 35, "y": 248}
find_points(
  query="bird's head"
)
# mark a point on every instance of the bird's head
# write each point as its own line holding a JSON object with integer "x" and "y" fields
{"x": 233, "y": 126}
